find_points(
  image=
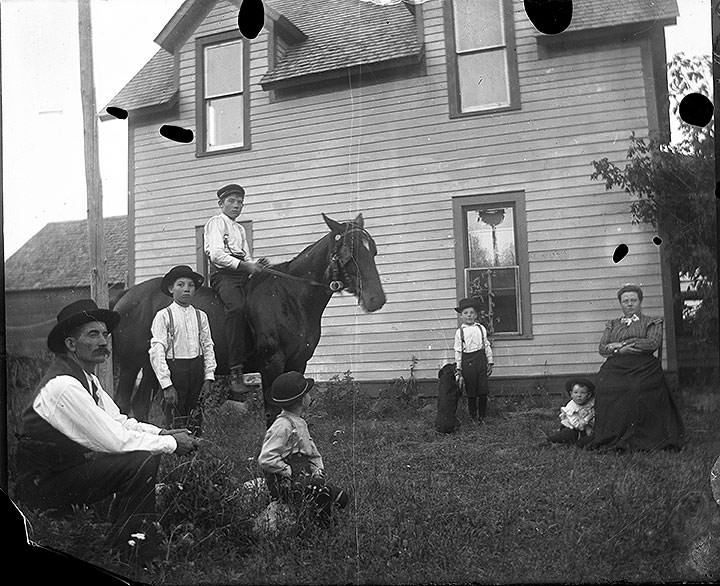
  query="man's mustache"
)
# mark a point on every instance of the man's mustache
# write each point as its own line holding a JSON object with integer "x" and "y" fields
{"x": 103, "y": 351}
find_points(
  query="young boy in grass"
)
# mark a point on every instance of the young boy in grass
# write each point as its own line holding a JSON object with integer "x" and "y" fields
{"x": 181, "y": 350}
{"x": 292, "y": 465}
{"x": 578, "y": 415}
{"x": 474, "y": 358}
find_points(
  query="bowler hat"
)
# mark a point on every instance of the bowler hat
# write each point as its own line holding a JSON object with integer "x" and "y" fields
{"x": 180, "y": 272}
{"x": 230, "y": 189}
{"x": 76, "y": 314}
{"x": 473, "y": 302}
{"x": 587, "y": 383}
{"x": 289, "y": 387}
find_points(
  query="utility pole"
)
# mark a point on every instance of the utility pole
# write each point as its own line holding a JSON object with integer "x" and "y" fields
{"x": 96, "y": 231}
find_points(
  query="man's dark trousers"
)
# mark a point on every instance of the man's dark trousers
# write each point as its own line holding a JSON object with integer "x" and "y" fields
{"x": 131, "y": 476}
{"x": 230, "y": 286}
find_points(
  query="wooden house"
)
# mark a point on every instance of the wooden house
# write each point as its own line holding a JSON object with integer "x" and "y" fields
{"x": 51, "y": 270}
{"x": 463, "y": 135}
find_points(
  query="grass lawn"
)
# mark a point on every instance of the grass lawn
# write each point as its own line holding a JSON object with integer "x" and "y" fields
{"x": 489, "y": 503}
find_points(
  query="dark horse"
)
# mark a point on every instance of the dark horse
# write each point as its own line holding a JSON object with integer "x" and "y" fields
{"x": 284, "y": 308}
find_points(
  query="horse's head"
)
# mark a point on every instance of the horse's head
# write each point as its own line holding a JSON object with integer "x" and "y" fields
{"x": 354, "y": 253}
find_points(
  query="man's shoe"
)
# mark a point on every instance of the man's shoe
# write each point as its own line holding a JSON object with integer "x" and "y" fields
{"x": 239, "y": 390}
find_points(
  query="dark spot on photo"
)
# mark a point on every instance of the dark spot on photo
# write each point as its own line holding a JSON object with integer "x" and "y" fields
{"x": 117, "y": 112}
{"x": 251, "y": 18}
{"x": 696, "y": 109}
{"x": 176, "y": 133}
{"x": 657, "y": 240}
{"x": 620, "y": 253}
{"x": 550, "y": 17}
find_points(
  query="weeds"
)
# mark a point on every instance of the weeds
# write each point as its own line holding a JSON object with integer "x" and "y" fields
{"x": 488, "y": 504}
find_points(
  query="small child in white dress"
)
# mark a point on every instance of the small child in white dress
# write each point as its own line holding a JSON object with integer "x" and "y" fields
{"x": 578, "y": 416}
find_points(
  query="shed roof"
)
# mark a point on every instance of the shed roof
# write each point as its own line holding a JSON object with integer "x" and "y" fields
{"x": 57, "y": 256}
{"x": 347, "y": 33}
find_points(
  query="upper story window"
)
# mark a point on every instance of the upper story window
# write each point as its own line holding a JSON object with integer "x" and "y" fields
{"x": 222, "y": 94}
{"x": 482, "y": 70}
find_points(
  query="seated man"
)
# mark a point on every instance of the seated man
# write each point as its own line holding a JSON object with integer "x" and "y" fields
{"x": 227, "y": 249}
{"x": 74, "y": 445}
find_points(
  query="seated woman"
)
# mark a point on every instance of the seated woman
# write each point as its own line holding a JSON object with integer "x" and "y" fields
{"x": 634, "y": 409}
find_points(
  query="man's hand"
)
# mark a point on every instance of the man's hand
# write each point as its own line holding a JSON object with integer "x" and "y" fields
{"x": 263, "y": 262}
{"x": 186, "y": 443}
{"x": 629, "y": 350}
{"x": 170, "y": 395}
{"x": 206, "y": 388}
{"x": 174, "y": 431}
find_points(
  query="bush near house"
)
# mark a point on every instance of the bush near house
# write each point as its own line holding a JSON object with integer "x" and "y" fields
{"x": 490, "y": 503}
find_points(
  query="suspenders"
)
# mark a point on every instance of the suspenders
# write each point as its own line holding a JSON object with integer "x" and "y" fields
{"x": 171, "y": 332}
{"x": 482, "y": 336}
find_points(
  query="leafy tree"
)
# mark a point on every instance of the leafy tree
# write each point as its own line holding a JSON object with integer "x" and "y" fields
{"x": 673, "y": 186}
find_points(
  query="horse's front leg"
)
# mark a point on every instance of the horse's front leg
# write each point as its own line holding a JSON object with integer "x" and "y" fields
{"x": 273, "y": 368}
{"x": 143, "y": 395}
{"x": 125, "y": 387}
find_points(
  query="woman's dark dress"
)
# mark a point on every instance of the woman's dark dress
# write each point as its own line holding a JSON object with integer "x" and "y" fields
{"x": 634, "y": 409}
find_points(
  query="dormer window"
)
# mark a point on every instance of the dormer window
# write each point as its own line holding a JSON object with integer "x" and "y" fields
{"x": 223, "y": 97}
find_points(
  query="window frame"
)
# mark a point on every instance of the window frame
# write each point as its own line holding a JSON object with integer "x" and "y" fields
{"x": 201, "y": 43}
{"x": 516, "y": 199}
{"x": 452, "y": 63}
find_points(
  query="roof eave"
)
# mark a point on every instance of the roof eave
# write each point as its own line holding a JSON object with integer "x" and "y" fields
{"x": 603, "y": 31}
{"x": 148, "y": 110}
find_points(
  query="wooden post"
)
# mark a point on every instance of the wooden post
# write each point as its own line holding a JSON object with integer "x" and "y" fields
{"x": 96, "y": 231}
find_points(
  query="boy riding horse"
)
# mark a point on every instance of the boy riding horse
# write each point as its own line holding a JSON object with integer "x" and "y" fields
{"x": 228, "y": 252}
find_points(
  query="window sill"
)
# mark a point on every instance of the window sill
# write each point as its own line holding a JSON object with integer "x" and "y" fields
{"x": 236, "y": 149}
{"x": 457, "y": 114}
{"x": 510, "y": 337}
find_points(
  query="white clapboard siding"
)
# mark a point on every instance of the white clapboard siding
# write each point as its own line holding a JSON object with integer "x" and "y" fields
{"x": 390, "y": 151}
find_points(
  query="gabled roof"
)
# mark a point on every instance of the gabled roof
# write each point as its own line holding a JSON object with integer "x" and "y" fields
{"x": 345, "y": 33}
{"x": 57, "y": 256}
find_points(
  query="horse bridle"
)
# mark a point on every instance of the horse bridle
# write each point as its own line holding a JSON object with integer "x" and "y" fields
{"x": 336, "y": 267}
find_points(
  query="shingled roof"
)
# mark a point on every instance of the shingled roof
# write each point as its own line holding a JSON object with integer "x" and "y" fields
{"x": 347, "y": 33}
{"x": 343, "y": 34}
{"x": 154, "y": 85}
{"x": 57, "y": 256}
{"x": 592, "y": 14}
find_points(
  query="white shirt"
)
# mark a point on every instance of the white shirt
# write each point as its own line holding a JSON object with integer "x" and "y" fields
{"x": 288, "y": 435}
{"x": 577, "y": 416}
{"x": 475, "y": 339}
{"x": 218, "y": 251}
{"x": 187, "y": 343}
{"x": 66, "y": 405}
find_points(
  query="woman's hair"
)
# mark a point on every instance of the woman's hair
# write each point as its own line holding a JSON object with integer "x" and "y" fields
{"x": 630, "y": 288}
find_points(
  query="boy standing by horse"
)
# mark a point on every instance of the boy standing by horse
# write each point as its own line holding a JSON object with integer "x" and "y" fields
{"x": 227, "y": 249}
{"x": 181, "y": 349}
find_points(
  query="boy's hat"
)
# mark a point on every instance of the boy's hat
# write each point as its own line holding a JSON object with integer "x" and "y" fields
{"x": 473, "y": 302}
{"x": 180, "y": 272}
{"x": 76, "y": 314}
{"x": 289, "y": 387}
{"x": 587, "y": 383}
{"x": 230, "y": 189}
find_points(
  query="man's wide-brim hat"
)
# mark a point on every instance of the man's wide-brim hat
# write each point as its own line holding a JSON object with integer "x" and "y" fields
{"x": 74, "y": 315}
{"x": 468, "y": 302}
{"x": 230, "y": 189}
{"x": 289, "y": 387}
{"x": 585, "y": 382}
{"x": 180, "y": 272}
